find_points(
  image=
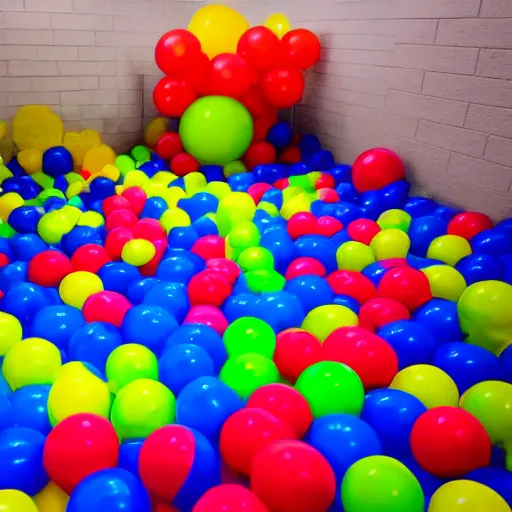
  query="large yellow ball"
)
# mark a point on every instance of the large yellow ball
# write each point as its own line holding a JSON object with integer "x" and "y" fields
{"x": 138, "y": 252}
{"x": 323, "y": 320}
{"x": 77, "y": 287}
{"x": 10, "y": 332}
{"x": 449, "y": 248}
{"x": 51, "y": 499}
{"x": 16, "y": 501}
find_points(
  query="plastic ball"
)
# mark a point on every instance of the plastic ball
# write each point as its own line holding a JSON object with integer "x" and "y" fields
{"x": 10, "y": 332}
{"x": 497, "y": 479}
{"x": 377, "y": 313}
{"x": 449, "y": 248}
{"x": 28, "y": 408}
{"x": 138, "y": 252}
{"x": 352, "y": 284}
{"x": 249, "y": 335}
{"x": 469, "y": 224}
{"x": 12, "y": 500}
{"x": 208, "y": 287}
{"x": 323, "y": 320}
{"x": 106, "y": 306}
{"x": 440, "y": 317}
{"x": 77, "y": 287}
{"x": 354, "y": 256}
{"x": 49, "y": 268}
{"x": 229, "y": 498}
{"x": 51, "y": 499}
{"x": 445, "y": 282}
{"x": 23, "y": 301}
{"x": 57, "y": 161}
{"x": 390, "y": 243}
{"x": 89, "y": 258}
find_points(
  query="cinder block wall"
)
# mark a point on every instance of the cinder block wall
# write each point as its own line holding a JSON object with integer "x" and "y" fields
{"x": 431, "y": 79}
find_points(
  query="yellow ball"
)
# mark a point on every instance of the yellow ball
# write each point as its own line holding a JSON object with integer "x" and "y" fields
{"x": 138, "y": 252}
{"x": 135, "y": 178}
{"x": 235, "y": 167}
{"x": 10, "y": 332}
{"x": 390, "y": 243}
{"x": 16, "y": 501}
{"x": 445, "y": 282}
{"x": 279, "y": 24}
{"x": 449, "y": 248}
{"x": 395, "y": 218}
{"x": 429, "y": 384}
{"x": 194, "y": 182}
{"x": 234, "y": 208}
{"x": 323, "y": 320}
{"x": 297, "y": 203}
{"x": 270, "y": 208}
{"x": 354, "y": 256}
{"x": 466, "y": 496}
{"x": 77, "y": 287}
{"x": 51, "y": 499}
{"x": 31, "y": 361}
{"x": 91, "y": 218}
{"x": 174, "y": 218}
{"x": 164, "y": 177}
{"x": 8, "y": 202}
{"x": 154, "y": 130}
{"x": 31, "y": 160}
{"x": 50, "y": 227}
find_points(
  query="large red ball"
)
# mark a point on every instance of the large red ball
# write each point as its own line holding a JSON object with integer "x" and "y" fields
{"x": 172, "y": 97}
{"x": 379, "y": 312}
{"x": 49, "y": 268}
{"x": 113, "y": 203}
{"x": 327, "y": 225}
{"x": 183, "y": 164}
{"x": 449, "y": 442}
{"x": 169, "y": 145}
{"x": 300, "y": 48}
{"x": 229, "y": 76}
{"x": 363, "y": 230}
{"x": 210, "y": 246}
{"x": 121, "y": 219}
{"x": 229, "y": 498}
{"x": 208, "y": 287}
{"x": 302, "y": 223}
{"x": 469, "y": 224}
{"x": 137, "y": 198}
{"x": 283, "y": 87}
{"x": 246, "y": 432}
{"x": 303, "y": 266}
{"x": 90, "y": 257}
{"x": 106, "y": 306}
{"x": 227, "y": 268}
{"x": 177, "y": 50}
{"x": 291, "y": 475}
{"x": 254, "y": 102}
{"x": 353, "y": 284}
{"x": 149, "y": 229}
{"x": 207, "y": 315}
{"x": 260, "y": 48}
{"x": 259, "y": 153}
{"x": 79, "y": 446}
{"x": 376, "y": 168}
{"x": 372, "y": 358}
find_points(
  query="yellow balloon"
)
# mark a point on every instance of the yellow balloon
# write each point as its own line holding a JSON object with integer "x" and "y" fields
{"x": 323, "y": 320}
{"x": 354, "y": 256}
{"x": 279, "y": 24}
{"x": 174, "y": 218}
{"x": 194, "y": 182}
{"x": 445, "y": 282}
{"x": 233, "y": 208}
{"x": 77, "y": 287}
{"x": 8, "y": 202}
{"x": 395, "y": 218}
{"x": 91, "y": 218}
{"x": 51, "y": 499}
{"x": 138, "y": 252}
{"x": 4, "y": 127}
{"x": 10, "y": 332}
{"x": 135, "y": 178}
{"x": 16, "y": 501}
{"x": 111, "y": 172}
{"x": 449, "y": 248}
{"x": 36, "y": 126}
{"x": 390, "y": 243}
{"x": 466, "y": 496}
{"x": 154, "y": 130}
{"x": 31, "y": 160}
{"x": 98, "y": 157}
{"x": 218, "y": 188}
{"x": 78, "y": 144}
{"x": 429, "y": 384}
{"x": 31, "y": 361}
{"x": 219, "y": 29}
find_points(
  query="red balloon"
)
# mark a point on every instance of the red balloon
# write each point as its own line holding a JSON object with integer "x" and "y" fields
{"x": 207, "y": 315}
{"x": 290, "y": 155}
{"x": 296, "y": 350}
{"x": 116, "y": 240}
{"x": 302, "y": 223}
{"x": 77, "y": 447}
{"x": 372, "y": 358}
{"x": 49, "y": 268}
{"x": 304, "y": 266}
{"x": 210, "y": 246}
{"x": 177, "y": 50}
{"x": 286, "y": 404}
{"x": 120, "y": 219}
{"x": 183, "y": 164}
{"x": 449, "y": 442}
{"x": 208, "y": 287}
{"x": 149, "y": 229}
{"x": 172, "y": 97}
{"x": 353, "y": 284}
{"x": 106, "y": 306}
{"x": 254, "y": 102}
{"x": 406, "y": 285}
{"x": 283, "y": 87}
{"x": 262, "y": 125}
{"x": 469, "y": 224}
{"x": 328, "y": 226}
{"x": 300, "y": 48}
{"x": 363, "y": 230}
{"x": 379, "y": 312}
{"x": 257, "y": 190}
{"x": 259, "y": 153}
{"x": 137, "y": 198}
{"x": 376, "y": 168}
{"x": 246, "y": 432}
{"x": 229, "y": 76}
{"x": 228, "y": 268}
{"x": 291, "y": 475}
{"x": 90, "y": 257}
{"x": 196, "y": 76}
{"x": 260, "y": 48}
{"x": 229, "y": 498}
{"x": 113, "y": 203}
{"x": 169, "y": 145}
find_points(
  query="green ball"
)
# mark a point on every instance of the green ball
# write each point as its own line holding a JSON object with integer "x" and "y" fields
{"x": 141, "y": 154}
{"x": 216, "y": 129}
{"x": 256, "y": 258}
{"x": 249, "y": 335}
{"x": 125, "y": 163}
{"x": 393, "y": 488}
{"x": 331, "y": 388}
{"x": 265, "y": 281}
{"x": 248, "y": 372}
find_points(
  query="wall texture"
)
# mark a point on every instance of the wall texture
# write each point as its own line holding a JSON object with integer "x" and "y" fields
{"x": 431, "y": 79}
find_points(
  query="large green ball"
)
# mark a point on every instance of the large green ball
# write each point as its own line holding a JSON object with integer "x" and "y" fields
{"x": 216, "y": 129}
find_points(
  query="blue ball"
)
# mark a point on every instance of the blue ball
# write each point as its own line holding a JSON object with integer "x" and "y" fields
{"x": 138, "y": 289}
{"x": 21, "y": 453}
{"x": 199, "y": 204}
{"x": 423, "y": 230}
{"x": 149, "y": 168}
{"x": 320, "y": 248}
{"x": 429, "y": 483}
{"x": 273, "y": 196}
{"x": 412, "y": 342}
{"x": 348, "y": 302}
{"x": 154, "y": 208}
{"x": 506, "y": 364}
{"x": 129, "y": 456}
{"x": 24, "y": 219}
{"x": 181, "y": 364}
{"x": 467, "y": 364}
{"x": 205, "y": 226}
{"x": 176, "y": 269}
{"x": 29, "y": 408}
{"x": 170, "y": 296}
{"x": 440, "y": 317}
{"x": 117, "y": 276}
{"x": 57, "y": 161}
{"x": 281, "y": 310}
{"x": 309, "y": 145}
{"x": 205, "y": 404}
{"x": 446, "y": 212}
{"x": 183, "y": 237}
{"x": 280, "y": 135}
{"x": 240, "y": 182}
{"x": 13, "y": 274}
{"x": 496, "y": 241}
{"x": 392, "y": 414}
{"x": 26, "y": 246}
{"x": 420, "y": 206}
{"x": 321, "y": 160}
{"x": 395, "y": 194}
{"x": 499, "y": 480}
{"x": 342, "y": 173}
{"x": 311, "y": 290}
{"x": 240, "y": 304}
{"x": 115, "y": 490}
{"x": 481, "y": 267}
{"x": 372, "y": 204}
{"x": 81, "y": 235}
{"x": 280, "y": 244}
{"x": 6, "y": 417}
{"x": 100, "y": 188}
{"x": 57, "y": 324}
{"x": 347, "y": 192}
{"x": 213, "y": 172}
{"x": 24, "y": 301}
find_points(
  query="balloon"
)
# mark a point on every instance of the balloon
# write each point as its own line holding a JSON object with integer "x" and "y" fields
{"x": 393, "y": 487}
{"x": 29, "y": 408}
{"x": 229, "y": 498}
{"x": 278, "y": 24}
{"x": 445, "y": 282}
{"x": 377, "y": 168}
{"x": 10, "y": 332}
{"x": 229, "y": 76}
{"x": 449, "y": 248}
{"x": 377, "y": 313}
{"x": 481, "y": 267}
{"x": 49, "y": 268}
{"x": 300, "y": 48}
{"x": 259, "y": 47}
{"x": 216, "y": 130}
{"x": 283, "y": 87}
{"x": 498, "y": 479}
{"x": 390, "y": 243}
{"x": 176, "y": 51}
{"x": 57, "y": 161}
{"x": 51, "y": 499}
{"x": 354, "y": 256}
{"x": 291, "y": 475}
{"x": 219, "y": 28}
{"x": 77, "y": 287}
{"x": 323, "y": 320}
{"x": 469, "y": 224}
{"x": 246, "y": 335}
{"x": 405, "y": 285}
{"x": 172, "y": 97}
{"x": 12, "y": 500}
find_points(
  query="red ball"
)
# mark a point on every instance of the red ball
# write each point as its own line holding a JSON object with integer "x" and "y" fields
{"x": 177, "y": 50}
{"x": 172, "y": 97}
{"x": 150, "y": 268}
{"x": 229, "y": 498}
{"x": 296, "y": 350}
{"x": 262, "y": 125}
{"x": 328, "y": 226}
{"x": 210, "y": 246}
{"x": 229, "y": 76}
{"x": 77, "y": 447}
{"x": 183, "y": 164}
{"x": 372, "y": 358}
{"x": 121, "y": 219}
{"x": 255, "y": 103}
{"x": 304, "y": 266}
{"x": 137, "y": 198}
{"x": 49, "y": 268}
{"x": 286, "y": 404}
{"x": 207, "y": 315}
{"x": 325, "y": 181}
{"x": 353, "y": 284}
{"x": 302, "y": 223}
{"x": 257, "y": 190}
{"x": 469, "y": 224}
{"x": 90, "y": 257}
{"x": 106, "y": 306}
{"x": 260, "y": 48}
{"x": 376, "y": 168}
{"x": 291, "y": 475}
{"x": 301, "y": 48}
{"x": 449, "y": 442}
{"x": 328, "y": 195}
{"x": 208, "y": 287}
{"x": 283, "y": 87}
{"x": 379, "y": 312}
{"x": 113, "y": 203}
{"x": 406, "y": 285}
{"x": 196, "y": 76}
{"x": 363, "y": 230}
{"x": 227, "y": 268}
{"x": 169, "y": 145}
{"x": 246, "y": 432}
{"x": 116, "y": 240}
{"x": 290, "y": 155}
{"x": 282, "y": 183}
{"x": 4, "y": 260}
{"x": 149, "y": 229}
{"x": 259, "y": 153}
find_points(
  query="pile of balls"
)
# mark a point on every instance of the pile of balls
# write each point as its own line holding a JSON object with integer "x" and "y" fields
{"x": 291, "y": 340}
